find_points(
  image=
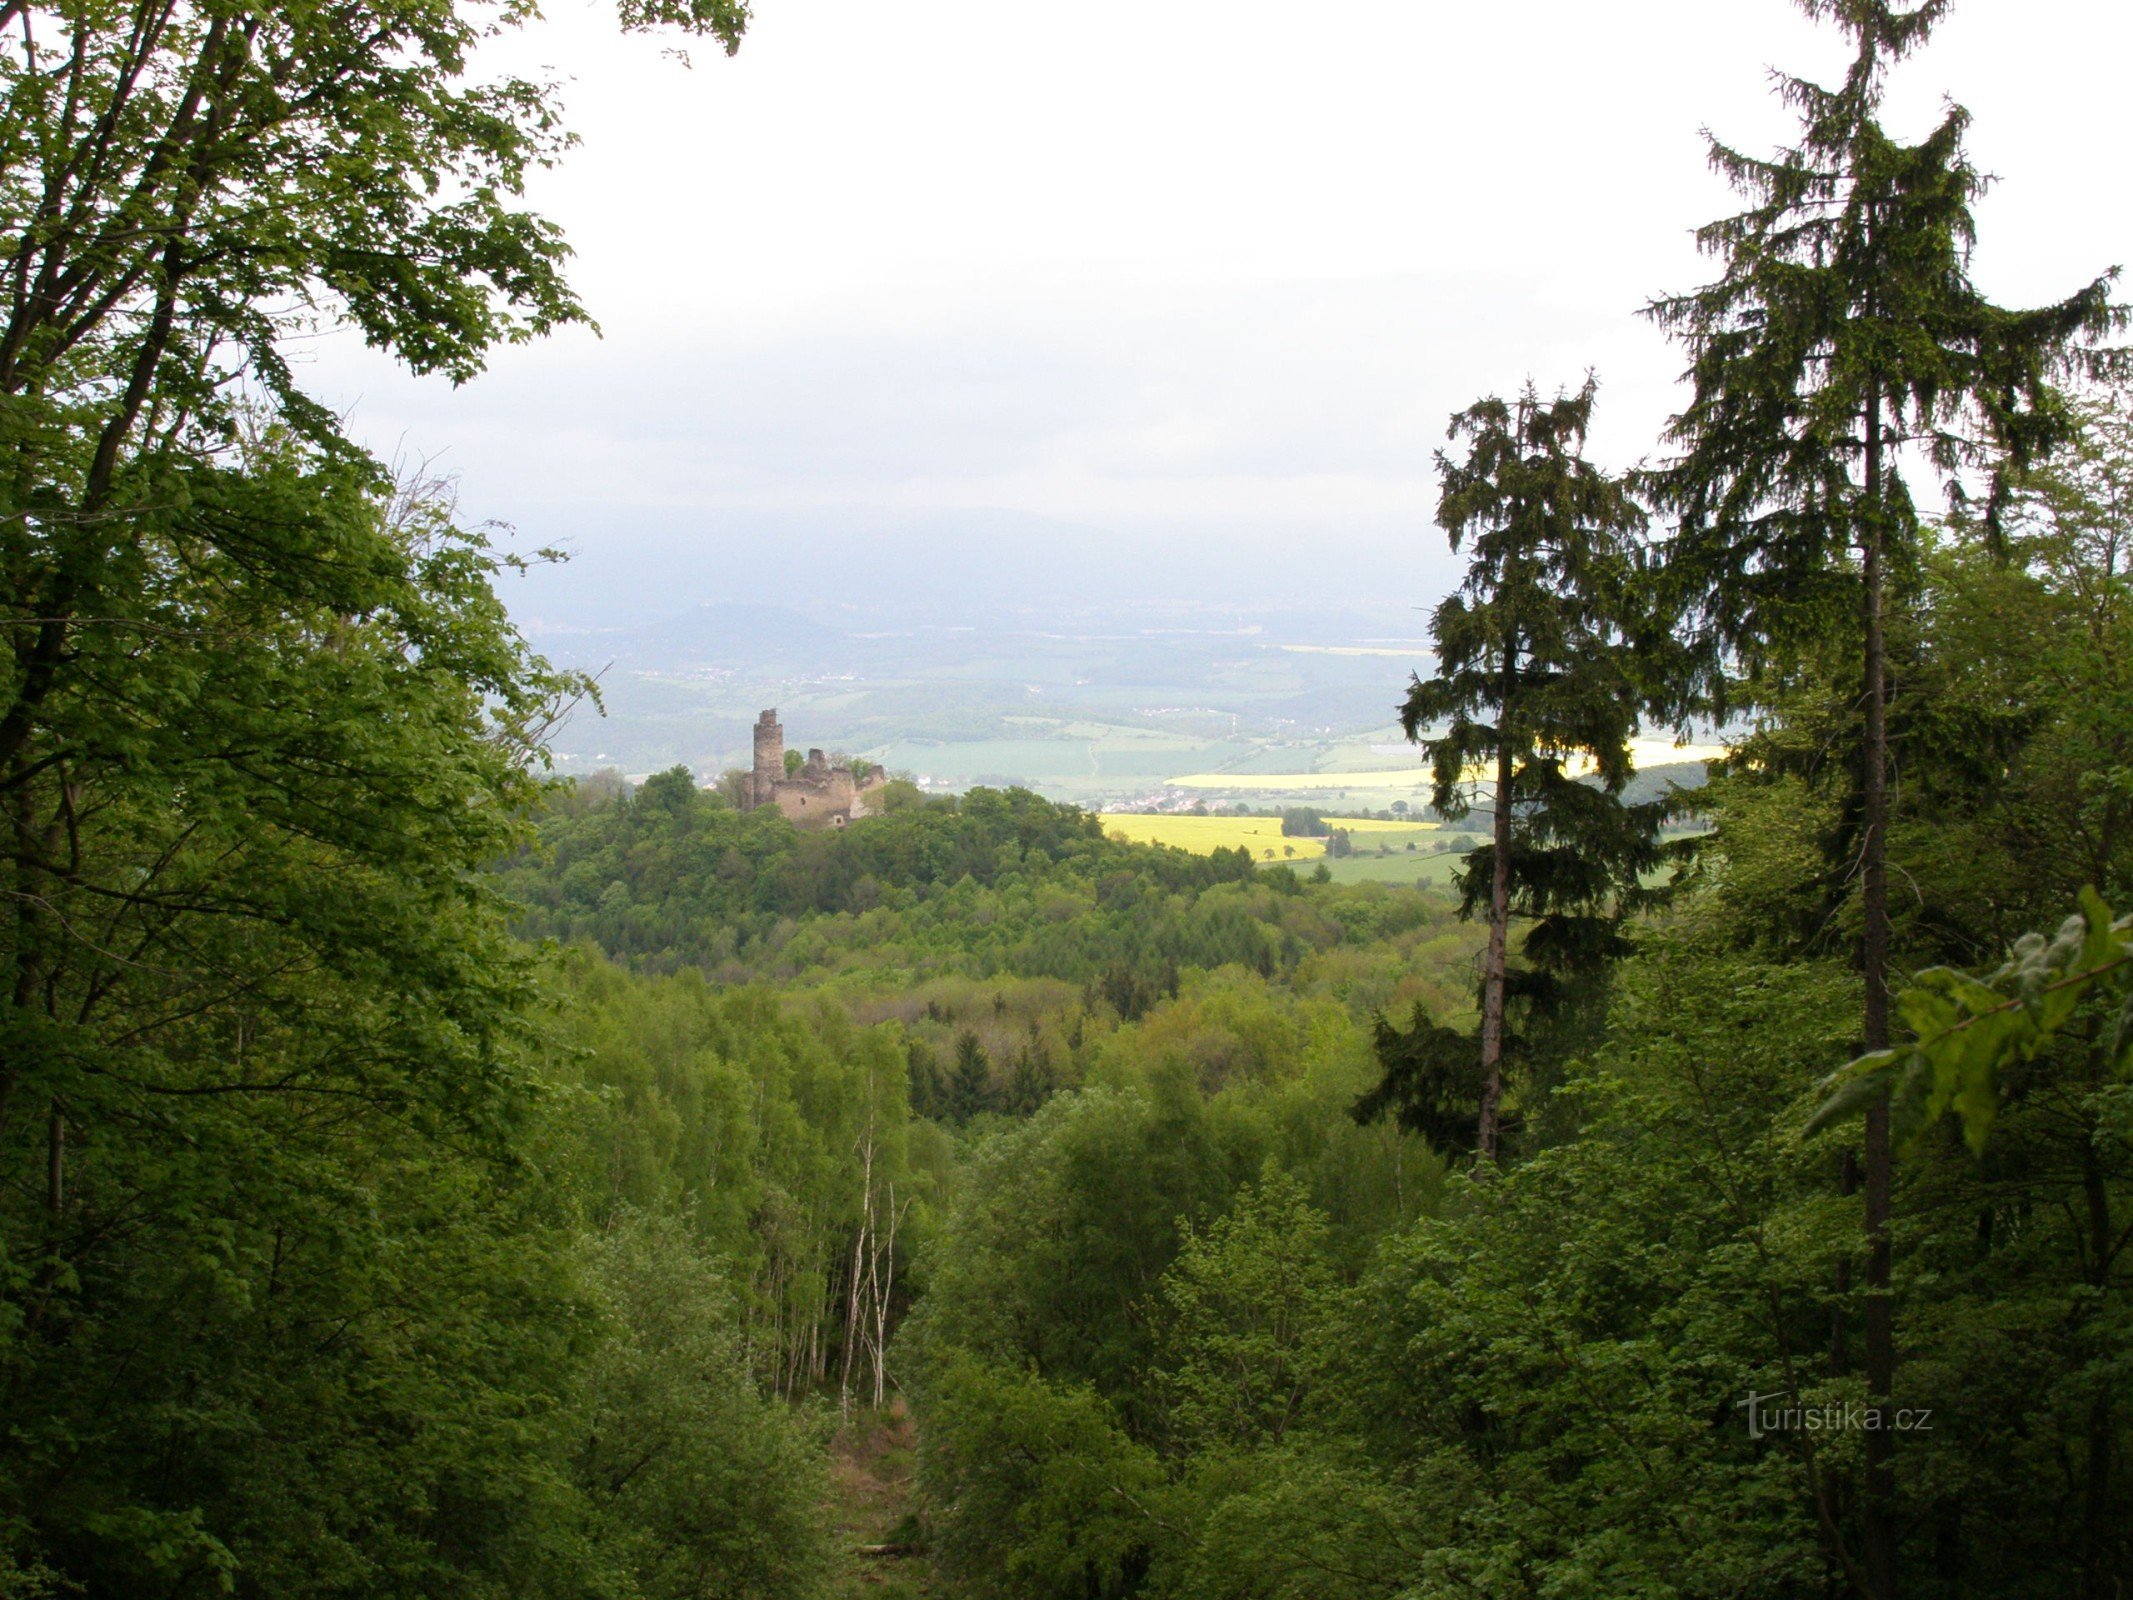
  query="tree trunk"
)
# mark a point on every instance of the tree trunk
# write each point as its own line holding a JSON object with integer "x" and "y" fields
{"x": 2100, "y": 1533}
{"x": 55, "y": 1168}
{"x": 852, "y": 1305}
{"x": 1840, "y": 1310}
{"x": 1878, "y": 1508}
{"x": 883, "y": 1272}
{"x": 1492, "y": 974}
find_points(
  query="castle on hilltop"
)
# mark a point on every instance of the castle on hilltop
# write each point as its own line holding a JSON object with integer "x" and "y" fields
{"x": 818, "y": 795}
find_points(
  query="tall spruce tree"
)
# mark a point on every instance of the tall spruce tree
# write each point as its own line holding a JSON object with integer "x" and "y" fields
{"x": 1532, "y": 674}
{"x": 969, "y": 1080}
{"x": 1843, "y": 341}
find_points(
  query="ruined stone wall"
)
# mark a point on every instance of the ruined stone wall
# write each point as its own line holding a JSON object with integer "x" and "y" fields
{"x": 769, "y": 768}
{"x": 866, "y": 799}
{"x": 820, "y": 793}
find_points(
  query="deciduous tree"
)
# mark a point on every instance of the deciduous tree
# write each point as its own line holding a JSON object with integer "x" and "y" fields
{"x": 262, "y": 722}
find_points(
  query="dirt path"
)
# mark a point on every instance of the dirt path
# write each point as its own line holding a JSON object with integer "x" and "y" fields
{"x": 873, "y": 1479}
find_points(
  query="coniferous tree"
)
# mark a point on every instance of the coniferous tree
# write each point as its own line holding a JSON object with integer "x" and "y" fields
{"x": 1426, "y": 1080}
{"x": 1031, "y": 1080}
{"x": 1843, "y": 340}
{"x": 970, "y": 1079}
{"x": 1532, "y": 674}
{"x": 924, "y": 1076}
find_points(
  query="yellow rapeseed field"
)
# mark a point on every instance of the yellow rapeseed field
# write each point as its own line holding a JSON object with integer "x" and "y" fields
{"x": 1203, "y": 835}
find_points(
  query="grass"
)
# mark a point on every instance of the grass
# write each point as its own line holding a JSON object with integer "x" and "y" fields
{"x": 874, "y": 1489}
{"x": 1422, "y": 867}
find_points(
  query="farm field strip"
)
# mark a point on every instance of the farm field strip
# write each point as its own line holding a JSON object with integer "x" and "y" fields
{"x": 1395, "y": 778}
{"x": 1643, "y": 753}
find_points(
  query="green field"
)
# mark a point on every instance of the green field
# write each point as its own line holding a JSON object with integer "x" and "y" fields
{"x": 1422, "y": 866}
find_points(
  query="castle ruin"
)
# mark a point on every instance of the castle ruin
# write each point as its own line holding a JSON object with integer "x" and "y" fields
{"x": 818, "y": 795}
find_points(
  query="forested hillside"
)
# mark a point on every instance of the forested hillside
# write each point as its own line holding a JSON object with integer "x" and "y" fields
{"x": 424, "y": 1177}
{"x": 812, "y": 1117}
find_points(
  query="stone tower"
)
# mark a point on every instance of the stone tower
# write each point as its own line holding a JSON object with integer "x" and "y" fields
{"x": 769, "y": 758}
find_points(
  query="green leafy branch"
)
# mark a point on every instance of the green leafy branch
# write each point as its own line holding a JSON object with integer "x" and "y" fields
{"x": 1968, "y": 1031}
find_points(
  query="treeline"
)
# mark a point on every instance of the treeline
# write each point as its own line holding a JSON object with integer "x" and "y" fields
{"x": 812, "y": 1126}
{"x": 998, "y": 881}
{"x": 1159, "y": 1355}
{"x": 1698, "y": 1310}
{"x": 1232, "y": 1382}
{"x": 813, "y": 1153}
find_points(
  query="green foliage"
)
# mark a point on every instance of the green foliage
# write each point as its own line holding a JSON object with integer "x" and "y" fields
{"x": 1063, "y": 1224}
{"x": 1031, "y": 1077}
{"x": 1303, "y": 822}
{"x": 350, "y": 1248}
{"x": 1051, "y": 1498}
{"x": 215, "y": 1069}
{"x": 1555, "y": 1363}
{"x": 969, "y": 1079}
{"x": 751, "y": 1122}
{"x": 1538, "y": 1386}
{"x": 1244, "y": 1304}
{"x": 701, "y": 1488}
{"x": 1534, "y": 632}
{"x": 1431, "y": 1081}
{"x": 1142, "y": 1272}
{"x": 1845, "y": 337}
{"x": 285, "y": 1307}
{"x": 1971, "y": 1032}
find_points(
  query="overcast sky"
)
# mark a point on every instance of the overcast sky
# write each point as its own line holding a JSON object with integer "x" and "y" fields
{"x": 1165, "y": 266}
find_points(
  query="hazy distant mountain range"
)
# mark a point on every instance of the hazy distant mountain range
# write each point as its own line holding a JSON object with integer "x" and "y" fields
{"x": 1003, "y": 636}
{"x": 876, "y": 568}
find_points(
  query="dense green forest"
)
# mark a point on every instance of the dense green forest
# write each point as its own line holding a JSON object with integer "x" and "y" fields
{"x": 427, "y": 1178}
